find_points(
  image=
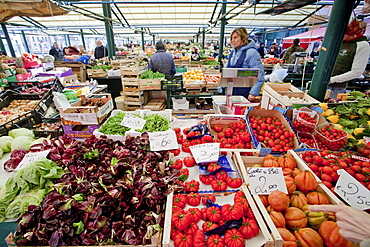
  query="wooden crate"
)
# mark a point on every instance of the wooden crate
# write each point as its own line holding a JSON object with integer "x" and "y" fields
{"x": 150, "y": 84}
{"x": 135, "y": 71}
{"x": 96, "y": 73}
{"x": 156, "y": 105}
{"x": 276, "y": 91}
{"x": 78, "y": 68}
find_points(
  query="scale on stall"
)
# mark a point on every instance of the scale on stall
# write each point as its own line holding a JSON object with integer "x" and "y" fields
{"x": 237, "y": 77}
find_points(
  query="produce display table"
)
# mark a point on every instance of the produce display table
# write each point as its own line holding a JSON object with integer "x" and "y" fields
{"x": 114, "y": 84}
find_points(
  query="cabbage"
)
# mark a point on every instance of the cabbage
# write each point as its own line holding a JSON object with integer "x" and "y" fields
{"x": 38, "y": 141}
{"x": 5, "y": 142}
{"x": 21, "y": 202}
{"x": 21, "y": 132}
{"x": 21, "y": 142}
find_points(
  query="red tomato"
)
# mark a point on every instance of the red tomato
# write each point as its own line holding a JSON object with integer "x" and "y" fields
{"x": 234, "y": 182}
{"x": 199, "y": 239}
{"x": 193, "y": 199}
{"x": 218, "y": 127}
{"x": 189, "y": 161}
{"x": 234, "y": 212}
{"x": 233, "y": 238}
{"x": 192, "y": 228}
{"x": 183, "y": 240}
{"x": 249, "y": 228}
{"x": 179, "y": 200}
{"x": 207, "y": 138}
{"x": 219, "y": 185}
{"x": 195, "y": 213}
{"x": 181, "y": 221}
{"x": 214, "y": 214}
{"x": 208, "y": 225}
{"x": 176, "y": 165}
{"x": 191, "y": 185}
{"x": 215, "y": 241}
{"x": 242, "y": 202}
{"x": 206, "y": 179}
{"x": 176, "y": 151}
{"x": 212, "y": 167}
{"x": 177, "y": 130}
{"x": 208, "y": 197}
{"x": 221, "y": 175}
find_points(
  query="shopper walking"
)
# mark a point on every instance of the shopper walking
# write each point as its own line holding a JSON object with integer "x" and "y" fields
{"x": 245, "y": 55}
{"x": 293, "y": 48}
{"x": 162, "y": 61}
{"x": 262, "y": 50}
{"x": 100, "y": 50}
{"x": 352, "y": 58}
{"x": 195, "y": 56}
{"x": 56, "y": 52}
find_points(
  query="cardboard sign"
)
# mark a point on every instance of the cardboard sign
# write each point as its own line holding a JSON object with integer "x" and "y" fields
{"x": 264, "y": 180}
{"x": 205, "y": 153}
{"x": 29, "y": 157}
{"x": 351, "y": 191}
{"x": 163, "y": 140}
{"x": 133, "y": 122}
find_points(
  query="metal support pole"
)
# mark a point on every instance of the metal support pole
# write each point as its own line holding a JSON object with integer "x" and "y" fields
{"x": 222, "y": 34}
{"x": 69, "y": 40}
{"x": 25, "y": 42}
{"x": 153, "y": 40}
{"x": 2, "y": 46}
{"x": 83, "y": 39}
{"x": 340, "y": 15}
{"x": 142, "y": 39}
{"x": 203, "y": 38}
{"x": 109, "y": 28}
{"x": 7, "y": 37}
{"x": 197, "y": 40}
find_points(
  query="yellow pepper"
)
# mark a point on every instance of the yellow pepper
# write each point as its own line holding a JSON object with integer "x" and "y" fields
{"x": 324, "y": 106}
{"x": 328, "y": 112}
{"x": 333, "y": 119}
{"x": 358, "y": 131}
{"x": 368, "y": 112}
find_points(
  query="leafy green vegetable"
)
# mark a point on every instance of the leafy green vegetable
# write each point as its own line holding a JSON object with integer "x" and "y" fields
{"x": 5, "y": 143}
{"x": 113, "y": 125}
{"x": 103, "y": 67}
{"x": 80, "y": 227}
{"x": 347, "y": 123}
{"x": 37, "y": 175}
{"x": 341, "y": 109}
{"x": 21, "y": 132}
{"x": 21, "y": 142}
{"x": 151, "y": 75}
{"x": 155, "y": 123}
{"x": 92, "y": 154}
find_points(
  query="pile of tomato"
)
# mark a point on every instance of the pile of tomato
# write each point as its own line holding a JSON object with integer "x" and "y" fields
{"x": 234, "y": 136}
{"x": 190, "y": 221}
{"x": 326, "y": 163}
{"x": 271, "y": 132}
{"x": 330, "y": 138}
{"x": 307, "y": 138}
{"x": 304, "y": 122}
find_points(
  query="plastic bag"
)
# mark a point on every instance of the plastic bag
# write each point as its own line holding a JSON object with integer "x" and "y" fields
{"x": 278, "y": 75}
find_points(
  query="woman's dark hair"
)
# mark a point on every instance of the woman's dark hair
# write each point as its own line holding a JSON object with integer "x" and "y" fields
{"x": 160, "y": 46}
{"x": 295, "y": 44}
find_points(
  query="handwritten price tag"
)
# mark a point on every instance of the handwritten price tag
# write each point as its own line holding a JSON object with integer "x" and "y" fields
{"x": 264, "y": 180}
{"x": 163, "y": 140}
{"x": 133, "y": 122}
{"x": 28, "y": 158}
{"x": 350, "y": 190}
{"x": 207, "y": 152}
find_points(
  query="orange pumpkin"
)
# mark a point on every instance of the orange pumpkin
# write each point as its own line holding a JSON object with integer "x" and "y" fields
{"x": 276, "y": 217}
{"x": 329, "y": 232}
{"x": 270, "y": 161}
{"x": 305, "y": 181}
{"x": 296, "y": 171}
{"x": 288, "y": 237}
{"x": 287, "y": 172}
{"x": 290, "y": 184}
{"x": 298, "y": 200}
{"x": 308, "y": 237}
{"x": 317, "y": 198}
{"x": 287, "y": 161}
{"x": 278, "y": 200}
{"x": 295, "y": 217}
{"x": 264, "y": 200}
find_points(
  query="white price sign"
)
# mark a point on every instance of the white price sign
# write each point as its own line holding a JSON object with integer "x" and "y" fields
{"x": 29, "y": 157}
{"x": 264, "y": 180}
{"x": 163, "y": 140}
{"x": 350, "y": 190}
{"x": 133, "y": 122}
{"x": 207, "y": 152}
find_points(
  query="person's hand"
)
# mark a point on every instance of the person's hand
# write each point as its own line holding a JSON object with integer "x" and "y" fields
{"x": 353, "y": 223}
{"x": 252, "y": 97}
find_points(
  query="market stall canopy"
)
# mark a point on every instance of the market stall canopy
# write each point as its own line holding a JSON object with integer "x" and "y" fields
{"x": 315, "y": 35}
{"x": 35, "y": 8}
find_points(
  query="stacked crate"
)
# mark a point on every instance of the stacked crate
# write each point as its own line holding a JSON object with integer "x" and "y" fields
{"x": 133, "y": 96}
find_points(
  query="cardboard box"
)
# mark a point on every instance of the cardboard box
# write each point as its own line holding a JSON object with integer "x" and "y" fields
{"x": 114, "y": 73}
{"x": 95, "y": 115}
{"x": 79, "y": 131}
{"x": 70, "y": 79}
{"x": 60, "y": 72}
{"x": 96, "y": 73}
{"x": 268, "y": 113}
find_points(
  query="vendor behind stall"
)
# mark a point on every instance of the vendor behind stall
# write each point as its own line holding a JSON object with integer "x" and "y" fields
{"x": 162, "y": 61}
{"x": 287, "y": 58}
{"x": 352, "y": 58}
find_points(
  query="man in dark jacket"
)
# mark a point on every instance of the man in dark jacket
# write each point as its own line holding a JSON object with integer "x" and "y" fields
{"x": 100, "y": 50}
{"x": 56, "y": 52}
{"x": 162, "y": 61}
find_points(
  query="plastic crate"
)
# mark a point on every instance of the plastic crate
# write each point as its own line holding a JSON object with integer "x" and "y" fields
{"x": 32, "y": 121}
{"x": 12, "y": 124}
